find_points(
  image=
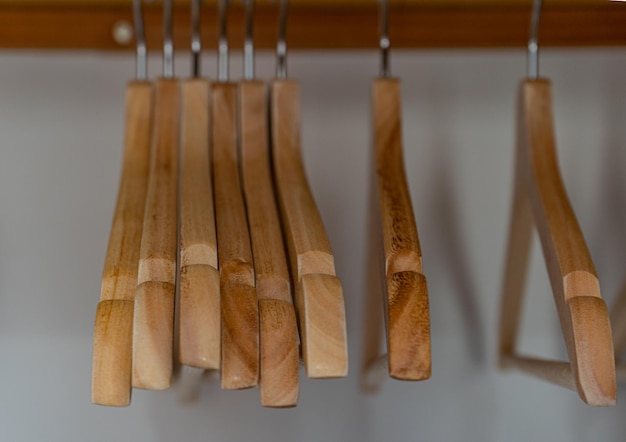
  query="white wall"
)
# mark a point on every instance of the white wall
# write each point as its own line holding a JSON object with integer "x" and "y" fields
{"x": 61, "y": 125}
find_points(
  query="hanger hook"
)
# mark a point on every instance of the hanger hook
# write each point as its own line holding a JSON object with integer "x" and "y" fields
{"x": 196, "y": 38}
{"x": 168, "y": 44}
{"x": 385, "y": 43}
{"x": 248, "y": 43}
{"x": 281, "y": 45}
{"x": 222, "y": 62}
{"x": 140, "y": 36}
{"x": 533, "y": 41}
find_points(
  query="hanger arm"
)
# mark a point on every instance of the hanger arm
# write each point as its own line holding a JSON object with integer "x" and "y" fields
{"x": 154, "y": 298}
{"x": 239, "y": 306}
{"x": 111, "y": 376}
{"x": 582, "y": 312}
{"x": 407, "y": 311}
{"x": 199, "y": 276}
{"x": 278, "y": 328}
{"x": 319, "y": 296}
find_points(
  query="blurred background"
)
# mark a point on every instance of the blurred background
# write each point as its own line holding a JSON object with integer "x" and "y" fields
{"x": 61, "y": 134}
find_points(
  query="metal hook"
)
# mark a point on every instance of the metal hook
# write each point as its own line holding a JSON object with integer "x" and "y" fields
{"x": 222, "y": 62}
{"x": 140, "y": 36}
{"x": 385, "y": 43}
{"x": 281, "y": 45}
{"x": 196, "y": 38}
{"x": 533, "y": 42}
{"x": 168, "y": 44}
{"x": 248, "y": 43}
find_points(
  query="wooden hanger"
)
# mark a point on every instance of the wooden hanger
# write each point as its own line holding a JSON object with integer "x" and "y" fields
{"x": 407, "y": 316}
{"x": 319, "y": 297}
{"x": 112, "y": 350}
{"x": 199, "y": 291}
{"x": 540, "y": 197}
{"x": 239, "y": 307}
{"x": 277, "y": 318}
{"x": 154, "y": 299}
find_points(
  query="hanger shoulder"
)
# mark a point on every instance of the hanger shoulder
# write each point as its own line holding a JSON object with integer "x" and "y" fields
{"x": 557, "y": 222}
{"x": 119, "y": 277}
{"x": 319, "y": 296}
{"x": 278, "y": 328}
{"x": 302, "y": 220}
{"x": 199, "y": 317}
{"x": 407, "y": 310}
{"x": 235, "y": 254}
{"x": 154, "y": 298}
{"x": 270, "y": 262}
{"x": 401, "y": 242}
{"x": 239, "y": 305}
{"x": 197, "y": 235}
{"x": 582, "y": 312}
{"x": 111, "y": 374}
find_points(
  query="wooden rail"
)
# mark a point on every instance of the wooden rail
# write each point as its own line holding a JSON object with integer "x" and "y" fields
{"x": 322, "y": 24}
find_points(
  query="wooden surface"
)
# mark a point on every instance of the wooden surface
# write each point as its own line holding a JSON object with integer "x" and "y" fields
{"x": 154, "y": 302}
{"x": 199, "y": 290}
{"x": 319, "y": 297}
{"x": 582, "y": 312}
{"x": 324, "y": 25}
{"x": 239, "y": 306}
{"x": 407, "y": 312}
{"x": 278, "y": 329}
{"x": 111, "y": 375}
{"x": 400, "y": 239}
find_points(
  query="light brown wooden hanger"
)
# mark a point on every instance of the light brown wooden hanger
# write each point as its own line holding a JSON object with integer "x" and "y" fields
{"x": 111, "y": 377}
{"x": 407, "y": 315}
{"x": 112, "y": 349}
{"x": 199, "y": 291}
{"x": 540, "y": 197}
{"x": 239, "y": 306}
{"x": 153, "y": 327}
{"x": 319, "y": 296}
{"x": 279, "y": 350}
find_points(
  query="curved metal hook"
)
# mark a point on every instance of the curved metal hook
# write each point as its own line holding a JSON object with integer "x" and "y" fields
{"x": 385, "y": 43}
{"x": 281, "y": 45}
{"x": 168, "y": 44}
{"x": 196, "y": 38}
{"x": 248, "y": 42}
{"x": 222, "y": 62}
{"x": 140, "y": 36}
{"x": 533, "y": 41}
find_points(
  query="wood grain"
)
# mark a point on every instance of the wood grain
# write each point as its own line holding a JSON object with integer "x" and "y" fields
{"x": 112, "y": 347}
{"x": 319, "y": 297}
{"x": 408, "y": 334}
{"x": 199, "y": 338}
{"x": 582, "y": 312}
{"x": 112, "y": 351}
{"x": 154, "y": 299}
{"x": 431, "y": 24}
{"x": 406, "y": 301}
{"x": 239, "y": 306}
{"x": 278, "y": 328}
{"x": 153, "y": 335}
{"x": 400, "y": 239}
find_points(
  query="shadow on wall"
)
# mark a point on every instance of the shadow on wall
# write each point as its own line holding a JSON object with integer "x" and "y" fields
{"x": 449, "y": 235}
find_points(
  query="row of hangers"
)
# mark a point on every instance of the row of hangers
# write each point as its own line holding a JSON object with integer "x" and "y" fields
{"x": 214, "y": 233}
{"x": 226, "y": 266}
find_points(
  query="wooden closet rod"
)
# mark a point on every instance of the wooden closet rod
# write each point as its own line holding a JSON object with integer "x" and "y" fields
{"x": 318, "y": 24}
